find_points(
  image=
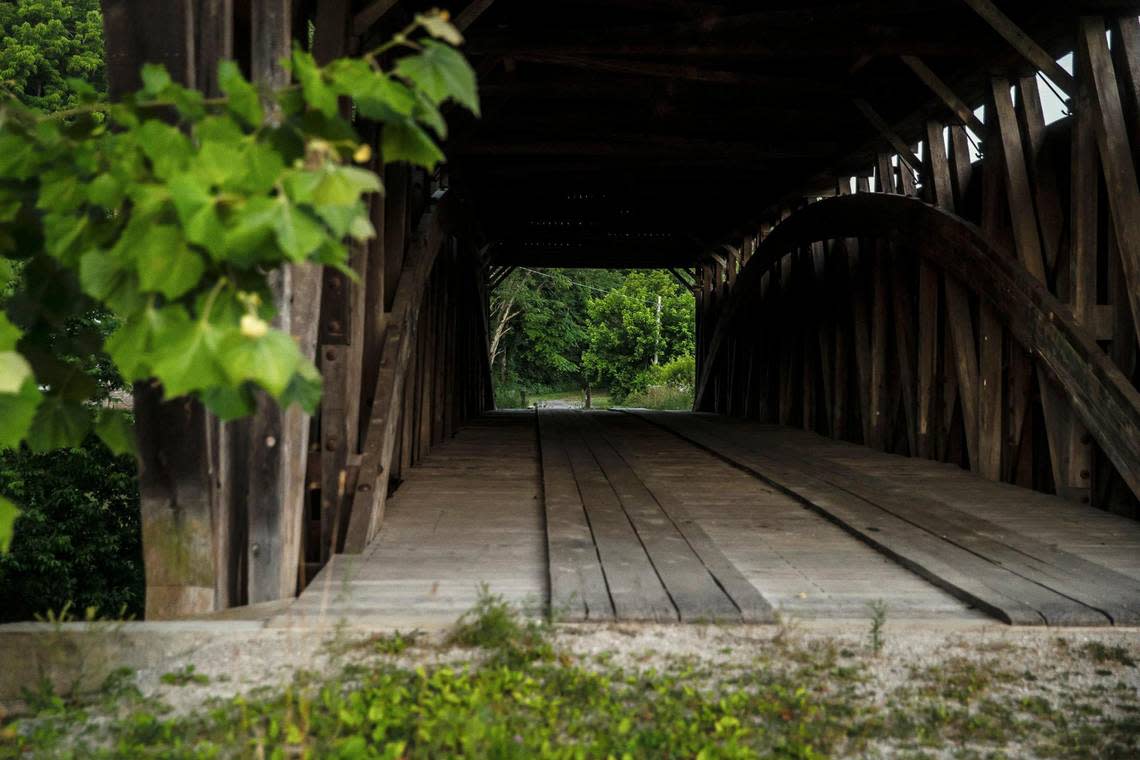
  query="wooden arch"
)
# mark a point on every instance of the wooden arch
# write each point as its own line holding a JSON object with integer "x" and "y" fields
{"x": 1097, "y": 390}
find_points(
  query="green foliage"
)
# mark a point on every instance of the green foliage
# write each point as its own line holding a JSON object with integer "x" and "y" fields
{"x": 43, "y": 43}
{"x": 878, "y": 610}
{"x": 77, "y": 541}
{"x": 168, "y": 215}
{"x": 570, "y": 327}
{"x": 494, "y": 625}
{"x": 648, "y": 320}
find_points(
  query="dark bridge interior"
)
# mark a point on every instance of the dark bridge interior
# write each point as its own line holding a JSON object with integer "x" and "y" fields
{"x": 875, "y": 260}
{"x": 643, "y": 133}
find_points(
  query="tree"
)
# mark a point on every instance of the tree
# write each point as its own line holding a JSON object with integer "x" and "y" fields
{"x": 646, "y": 321}
{"x": 544, "y": 349}
{"x": 43, "y": 43}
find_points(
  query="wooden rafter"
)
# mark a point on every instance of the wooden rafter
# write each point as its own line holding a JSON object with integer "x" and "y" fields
{"x": 964, "y": 113}
{"x": 888, "y": 134}
{"x": 1023, "y": 43}
{"x": 370, "y": 14}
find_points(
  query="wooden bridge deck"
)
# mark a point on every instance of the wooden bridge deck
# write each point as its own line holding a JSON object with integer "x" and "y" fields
{"x": 674, "y": 516}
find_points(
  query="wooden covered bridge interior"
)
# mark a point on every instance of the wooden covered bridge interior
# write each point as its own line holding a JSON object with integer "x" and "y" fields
{"x": 917, "y": 315}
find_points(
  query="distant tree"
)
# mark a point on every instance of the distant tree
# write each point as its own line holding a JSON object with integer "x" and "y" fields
{"x": 43, "y": 43}
{"x": 645, "y": 322}
{"x": 543, "y": 346}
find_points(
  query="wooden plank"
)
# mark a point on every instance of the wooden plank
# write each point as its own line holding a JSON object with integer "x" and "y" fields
{"x": 750, "y": 603}
{"x": 635, "y": 588}
{"x": 897, "y": 143}
{"x": 1097, "y": 391}
{"x": 1113, "y": 594}
{"x": 959, "y": 317}
{"x": 471, "y": 12}
{"x": 964, "y": 113}
{"x": 578, "y": 588}
{"x": 1022, "y": 43}
{"x": 1116, "y": 154}
{"x": 691, "y": 587}
{"x": 950, "y": 554}
{"x": 367, "y": 502}
{"x": 370, "y": 14}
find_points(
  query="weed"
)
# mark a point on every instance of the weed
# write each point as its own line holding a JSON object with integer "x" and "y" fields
{"x": 1102, "y": 653}
{"x": 394, "y": 643}
{"x": 185, "y": 676}
{"x": 492, "y": 624}
{"x": 878, "y": 610}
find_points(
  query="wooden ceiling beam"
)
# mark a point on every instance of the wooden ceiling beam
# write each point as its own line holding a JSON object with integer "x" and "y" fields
{"x": 964, "y": 113}
{"x": 684, "y": 72}
{"x": 1023, "y": 43}
{"x": 472, "y": 11}
{"x": 897, "y": 143}
{"x": 370, "y": 14}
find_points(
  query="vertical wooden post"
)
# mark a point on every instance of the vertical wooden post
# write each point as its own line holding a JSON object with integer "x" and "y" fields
{"x": 279, "y": 438}
{"x": 174, "y": 437}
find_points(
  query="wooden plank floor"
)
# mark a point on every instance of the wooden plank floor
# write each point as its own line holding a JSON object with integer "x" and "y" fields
{"x": 601, "y": 516}
{"x": 1024, "y": 557}
{"x": 469, "y": 514}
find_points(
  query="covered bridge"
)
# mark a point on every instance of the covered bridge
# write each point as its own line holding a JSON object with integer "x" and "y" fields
{"x": 918, "y": 300}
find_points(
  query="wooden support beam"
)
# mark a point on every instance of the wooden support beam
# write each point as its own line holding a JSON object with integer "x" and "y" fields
{"x": 1116, "y": 156}
{"x": 1022, "y": 43}
{"x": 278, "y": 438}
{"x": 964, "y": 113}
{"x": 1096, "y": 389}
{"x": 368, "y": 501}
{"x": 897, "y": 143}
{"x": 470, "y": 13}
{"x": 370, "y": 14}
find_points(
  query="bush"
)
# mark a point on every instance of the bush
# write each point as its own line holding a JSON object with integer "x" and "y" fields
{"x": 78, "y": 536}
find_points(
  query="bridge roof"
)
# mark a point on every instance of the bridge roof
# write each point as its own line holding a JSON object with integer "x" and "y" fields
{"x": 640, "y": 132}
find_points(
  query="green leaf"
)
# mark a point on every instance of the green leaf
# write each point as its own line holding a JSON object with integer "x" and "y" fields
{"x": 9, "y": 334}
{"x": 252, "y": 229}
{"x": 14, "y": 371}
{"x": 129, "y": 345}
{"x": 376, "y": 94}
{"x": 197, "y": 210}
{"x": 218, "y": 163}
{"x": 60, "y": 191}
{"x": 441, "y": 73}
{"x": 16, "y": 413}
{"x": 62, "y": 232}
{"x": 8, "y": 515}
{"x": 405, "y": 141}
{"x": 59, "y": 424}
{"x": 155, "y": 79}
{"x": 244, "y": 102}
{"x": 427, "y": 114}
{"x": 318, "y": 94}
{"x": 165, "y": 263}
{"x": 167, "y": 148}
{"x": 304, "y": 388}
{"x": 297, "y": 233}
{"x": 106, "y": 191}
{"x": 440, "y": 28}
{"x": 269, "y": 361}
{"x": 104, "y": 276}
{"x": 114, "y": 428}
{"x": 186, "y": 357}
{"x": 229, "y": 403}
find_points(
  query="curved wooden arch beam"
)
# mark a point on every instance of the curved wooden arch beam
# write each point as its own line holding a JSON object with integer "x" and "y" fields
{"x": 1102, "y": 397}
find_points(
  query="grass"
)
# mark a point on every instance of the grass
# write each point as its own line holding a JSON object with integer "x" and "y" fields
{"x": 662, "y": 397}
{"x": 512, "y": 690}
